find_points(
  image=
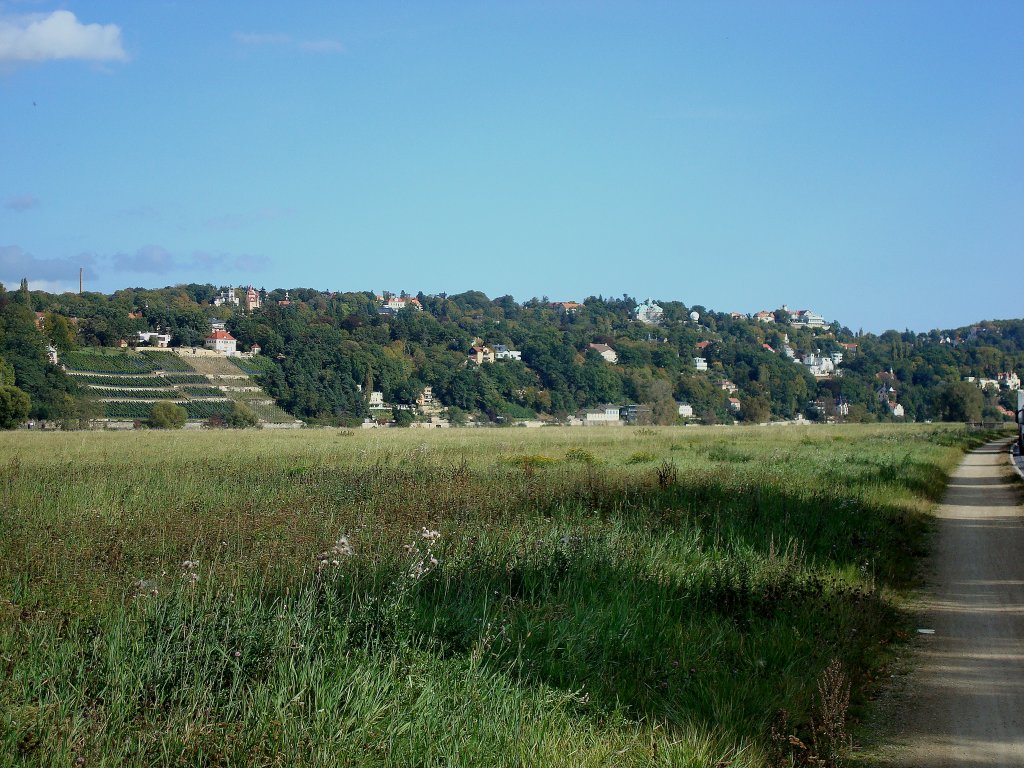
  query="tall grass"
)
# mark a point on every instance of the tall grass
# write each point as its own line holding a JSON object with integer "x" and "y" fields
{"x": 462, "y": 598}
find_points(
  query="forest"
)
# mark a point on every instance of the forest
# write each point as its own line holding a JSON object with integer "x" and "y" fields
{"x": 322, "y": 353}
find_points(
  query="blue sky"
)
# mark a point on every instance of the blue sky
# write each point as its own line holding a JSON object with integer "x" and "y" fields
{"x": 861, "y": 159}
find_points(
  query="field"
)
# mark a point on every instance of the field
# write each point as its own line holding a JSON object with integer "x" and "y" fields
{"x": 460, "y": 597}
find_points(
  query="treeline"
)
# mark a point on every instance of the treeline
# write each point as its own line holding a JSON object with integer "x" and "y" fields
{"x": 325, "y": 352}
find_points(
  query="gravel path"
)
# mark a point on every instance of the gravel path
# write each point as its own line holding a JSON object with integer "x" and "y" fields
{"x": 966, "y": 701}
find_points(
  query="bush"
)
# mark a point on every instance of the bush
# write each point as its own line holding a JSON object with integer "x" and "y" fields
{"x": 402, "y": 417}
{"x": 241, "y": 416}
{"x": 14, "y": 406}
{"x": 167, "y": 416}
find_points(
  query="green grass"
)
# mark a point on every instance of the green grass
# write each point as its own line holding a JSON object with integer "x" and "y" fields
{"x": 599, "y": 597}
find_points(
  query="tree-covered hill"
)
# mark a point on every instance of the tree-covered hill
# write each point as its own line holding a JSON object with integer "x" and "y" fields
{"x": 327, "y": 351}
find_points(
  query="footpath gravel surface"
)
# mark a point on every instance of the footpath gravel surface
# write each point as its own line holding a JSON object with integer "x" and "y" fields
{"x": 965, "y": 703}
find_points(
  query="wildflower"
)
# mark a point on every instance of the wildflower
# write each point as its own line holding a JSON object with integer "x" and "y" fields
{"x": 342, "y": 548}
{"x": 429, "y": 536}
{"x": 144, "y": 588}
{"x": 188, "y": 572}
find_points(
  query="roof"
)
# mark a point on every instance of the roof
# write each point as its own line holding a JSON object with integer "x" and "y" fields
{"x": 600, "y": 347}
{"x": 221, "y": 336}
{"x": 703, "y": 344}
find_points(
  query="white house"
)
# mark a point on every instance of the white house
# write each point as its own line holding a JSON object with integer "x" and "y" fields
{"x": 649, "y": 313}
{"x": 221, "y": 341}
{"x": 396, "y": 303}
{"x": 226, "y": 296}
{"x": 606, "y": 415}
{"x": 501, "y": 352}
{"x": 155, "y": 339}
{"x": 700, "y": 363}
{"x": 605, "y": 351}
{"x": 1009, "y": 380}
{"x": 820, "y": 367}
{"x": 734, "y": 405}
{"x": 376, "y": 401}
{"x": 805, "y": 317}
{"x": 685, "y": 410}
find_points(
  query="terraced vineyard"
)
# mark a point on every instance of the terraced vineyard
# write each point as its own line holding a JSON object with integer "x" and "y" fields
{"x": 129, "y": 383}
{"x": 150, "y": 393}
{"x": 166, "y": 361}
{"x": 254, "y": 366}
{"x": 118, "y": 361}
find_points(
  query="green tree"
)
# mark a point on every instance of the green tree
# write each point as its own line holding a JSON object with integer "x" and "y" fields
{"x": 960, "y": 401}
{"x": 14, "y": 406}
{"x": 167, "y": 416}
{"x": 757, "y": 409}
{"x": 6, "y": 372}
{"x": 402, "y": 416}
{"x": 241, "y": 416}
{"x": 78, "y": 412}
{"x": 60, "y": 332}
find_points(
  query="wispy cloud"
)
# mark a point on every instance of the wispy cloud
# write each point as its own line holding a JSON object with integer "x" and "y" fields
{"x": 21, "y": 203}
{"x": 157, "y": 260}
{"x": 16, "y": 263}
{"x": 149, "y": 258}
{"x": 58, "y": 35}
{"x": 276, "y": 40}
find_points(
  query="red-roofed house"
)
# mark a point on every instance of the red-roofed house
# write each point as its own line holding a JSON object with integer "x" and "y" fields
{"x": 221, "y": 341}
{"x": 567, "y": 307}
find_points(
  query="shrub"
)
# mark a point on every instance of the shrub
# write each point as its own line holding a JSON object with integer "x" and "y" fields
{"x": 14, "y": 406}
{"x": 167, "y": 416}
{"x": 241, "y": 416}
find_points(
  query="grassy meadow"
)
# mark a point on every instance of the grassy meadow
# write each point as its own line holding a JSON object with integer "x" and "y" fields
{"x": 503, "y": 597}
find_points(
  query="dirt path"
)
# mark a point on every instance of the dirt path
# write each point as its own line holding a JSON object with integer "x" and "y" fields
{"x": 965, "y": 704}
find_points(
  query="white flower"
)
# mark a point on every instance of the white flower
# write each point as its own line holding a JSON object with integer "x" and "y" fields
{"x": 429, "y": 536}
{"x": 342, "y": 548}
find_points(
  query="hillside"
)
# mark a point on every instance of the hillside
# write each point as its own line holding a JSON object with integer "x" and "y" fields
{"x": 324, "y": 355}
{"x": 127, "y": 383}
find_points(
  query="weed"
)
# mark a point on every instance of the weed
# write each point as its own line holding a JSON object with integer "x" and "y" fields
{"x": 641, "y": 457}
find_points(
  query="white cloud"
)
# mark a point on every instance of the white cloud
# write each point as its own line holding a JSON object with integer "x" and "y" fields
{"x": 58, "y": 35}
